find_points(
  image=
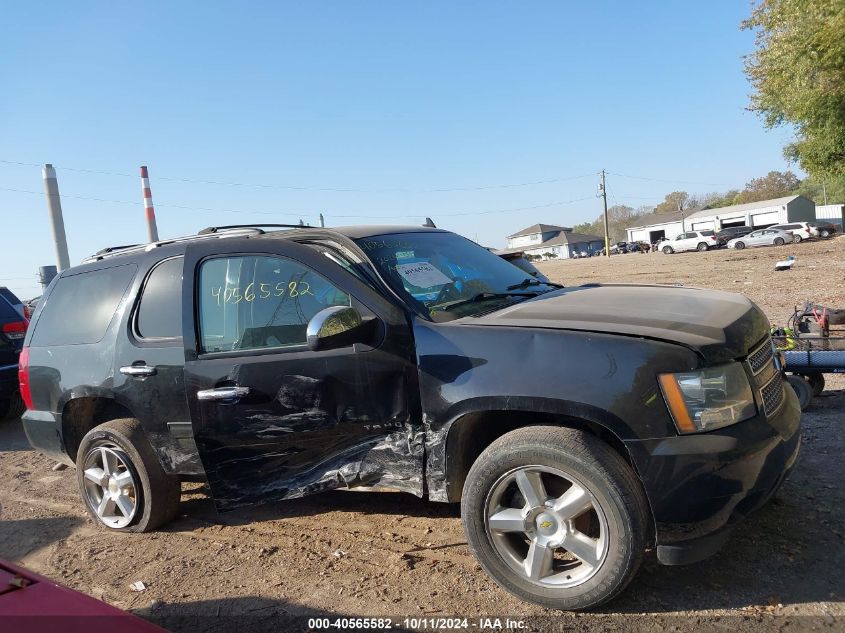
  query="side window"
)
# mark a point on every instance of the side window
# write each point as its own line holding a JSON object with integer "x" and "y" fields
{"x": 160, "y": 311}
{"x": 81, "y": 306}
{"x": 257, "y": 302}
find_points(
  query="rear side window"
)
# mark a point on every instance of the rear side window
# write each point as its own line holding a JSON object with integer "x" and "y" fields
{"x": 9, "y": 296}
{"x": 259, "y": 302}
{"x": 707, "y": 233}
{"x": 160, "y": 310}
{"x": 81, "y": 306}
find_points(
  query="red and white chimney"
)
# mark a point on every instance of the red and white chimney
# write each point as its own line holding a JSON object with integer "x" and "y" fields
{"x": 152, "y": 229}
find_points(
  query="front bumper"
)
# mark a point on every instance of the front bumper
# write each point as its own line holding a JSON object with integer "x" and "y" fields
{"x": 699, "y": 486}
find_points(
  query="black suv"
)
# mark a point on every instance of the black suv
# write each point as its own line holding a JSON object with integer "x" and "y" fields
{"x": 728, "y": 233}
{"x": 12, "y": 331}
{"x": 284, "y": 363}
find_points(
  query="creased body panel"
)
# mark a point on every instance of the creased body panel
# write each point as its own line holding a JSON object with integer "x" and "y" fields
{"x": 342, "y": 420}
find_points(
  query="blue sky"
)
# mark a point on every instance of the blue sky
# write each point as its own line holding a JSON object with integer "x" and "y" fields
{"x": 370, "y": 112}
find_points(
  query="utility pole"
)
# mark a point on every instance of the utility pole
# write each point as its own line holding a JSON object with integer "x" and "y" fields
{"x": 824, "y": 191}
{"x": 54, "y": 204}
{"x": 603, "y": 194}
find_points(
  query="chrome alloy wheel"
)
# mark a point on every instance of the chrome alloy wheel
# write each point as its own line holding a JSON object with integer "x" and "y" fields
{"x": 547, "y": 526}
{"x": 110, "y": 486}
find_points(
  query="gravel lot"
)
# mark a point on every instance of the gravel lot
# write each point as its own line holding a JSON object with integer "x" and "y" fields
{"x": 389, "y": 554}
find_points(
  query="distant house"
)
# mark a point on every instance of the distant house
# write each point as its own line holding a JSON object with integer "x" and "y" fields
{"x": 657, "y": 226}
{"x": 550, "y": 240}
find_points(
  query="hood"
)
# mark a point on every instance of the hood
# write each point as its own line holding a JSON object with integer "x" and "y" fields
{"x": 721, "y": 326}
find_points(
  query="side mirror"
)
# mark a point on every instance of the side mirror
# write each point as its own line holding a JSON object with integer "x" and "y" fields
{"x": 335, "y": 327}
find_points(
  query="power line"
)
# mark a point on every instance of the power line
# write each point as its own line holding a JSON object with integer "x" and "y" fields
{"x": 301, "y": 213}
{"x": 300, "y": 188}
{"x": 672, "y": 182}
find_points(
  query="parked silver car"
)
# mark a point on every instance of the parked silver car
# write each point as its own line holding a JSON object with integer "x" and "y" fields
{"x": 761, "y": 237}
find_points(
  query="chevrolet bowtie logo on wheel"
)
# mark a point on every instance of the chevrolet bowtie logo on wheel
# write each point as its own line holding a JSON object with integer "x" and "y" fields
{"x": 546, "y": 525}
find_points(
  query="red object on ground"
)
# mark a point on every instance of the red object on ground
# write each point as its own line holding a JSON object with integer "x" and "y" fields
{"x": 30, "y": 603}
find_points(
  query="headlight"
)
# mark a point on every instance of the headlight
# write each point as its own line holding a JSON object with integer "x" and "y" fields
{"x": 708, "y": 399}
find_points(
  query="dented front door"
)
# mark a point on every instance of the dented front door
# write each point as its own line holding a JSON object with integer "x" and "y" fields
{"x": 272, "y": 419}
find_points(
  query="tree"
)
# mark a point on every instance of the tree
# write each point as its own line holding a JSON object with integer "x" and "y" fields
{"x": 716, "y": 200}
{"x": 817, "y": 190}
{"x": 674, "y": 202}
{"x": 775, "y": 184}
{"x": 798, "y": 74}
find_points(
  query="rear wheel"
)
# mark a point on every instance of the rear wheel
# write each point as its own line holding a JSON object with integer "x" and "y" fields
{"x": 121, "y": 480}
{"x": 556, "y": 517}
{"x": 824, "y": 233}
{"x": 796, "y": 238}
{"x": 779, "y": 241}
{"x": 12, "y": 408}
{"x": 702, "y": 247}
{"x": 667, "y": 250}
{"x": 802, "y": 389}
{"x": 739, "y": 246}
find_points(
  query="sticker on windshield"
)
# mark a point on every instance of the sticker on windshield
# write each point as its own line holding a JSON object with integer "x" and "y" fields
{"x": 422, "y": 275}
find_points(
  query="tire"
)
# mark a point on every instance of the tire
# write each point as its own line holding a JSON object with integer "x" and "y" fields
{"x": 778, "y": 241}
{"x": 12, "y": 408}
{"x": 824, "y": 233}
{"x": 702, "y": 247}
{"x": 796, "y": 238}
{"x": 667, "y": 250}
{"x": 739, "y": 246}
{"x": 816, "y": 383}
{"x": 154, "y": 494}
{"x": 802, "y": 389}
{"x": 617, "y": 507}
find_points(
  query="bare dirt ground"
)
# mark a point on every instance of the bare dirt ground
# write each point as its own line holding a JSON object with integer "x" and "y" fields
{"x": 352, "y": 553}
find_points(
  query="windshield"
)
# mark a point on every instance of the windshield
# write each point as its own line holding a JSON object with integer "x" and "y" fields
{"x": 448, "y": 276}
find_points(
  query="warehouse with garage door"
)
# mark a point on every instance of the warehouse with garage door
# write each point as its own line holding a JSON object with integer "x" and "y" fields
{"x": 653, "y": 228}
{"x": 755, "y": 214}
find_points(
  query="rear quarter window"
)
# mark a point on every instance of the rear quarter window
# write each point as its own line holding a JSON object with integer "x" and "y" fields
{"x": 81, "y": 306}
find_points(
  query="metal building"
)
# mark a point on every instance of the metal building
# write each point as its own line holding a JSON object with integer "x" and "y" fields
{"x": 754, "y": 214}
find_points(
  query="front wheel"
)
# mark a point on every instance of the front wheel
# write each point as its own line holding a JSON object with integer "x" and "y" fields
{"x": 121, "y": 480}
{"x": 739, "y": 246}
{"x": 556, "y": 517}
{"x": 816, "y": 383}
{"x": 824, "y": 233}
{"x": 667, "y": 250}
{"x": 802, "y": 389}
{"x": 779, "y": 241}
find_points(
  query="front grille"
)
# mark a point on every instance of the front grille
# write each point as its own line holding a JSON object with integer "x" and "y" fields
{"x": 759, "y": 358}
{"x": 773, "y": 395}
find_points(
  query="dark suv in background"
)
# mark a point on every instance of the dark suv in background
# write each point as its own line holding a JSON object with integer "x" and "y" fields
{"x": 727, "y": 234}
{"x": 13, "y": 326}
{"x": 277, "y": 364}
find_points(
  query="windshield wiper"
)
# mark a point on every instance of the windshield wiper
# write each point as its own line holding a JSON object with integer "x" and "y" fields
{"x": 525, "y": 283}
{"x": 485, "y": 296}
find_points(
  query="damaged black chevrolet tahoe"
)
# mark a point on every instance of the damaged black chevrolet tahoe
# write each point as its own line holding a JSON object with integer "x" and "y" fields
{"x": 280, "y": 363}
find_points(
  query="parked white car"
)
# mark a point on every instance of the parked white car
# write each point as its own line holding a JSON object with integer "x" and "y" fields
{"x": 800, "y": 230}
{"x": 762, "y": 237}
{"x": 690, "y": 241}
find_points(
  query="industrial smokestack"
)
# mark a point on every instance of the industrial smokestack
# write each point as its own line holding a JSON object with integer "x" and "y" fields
{"x": 152, "y": 229}
{"x": 54, "y": 204}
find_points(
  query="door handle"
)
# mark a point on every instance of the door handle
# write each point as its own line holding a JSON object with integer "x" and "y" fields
{"x": 222, "y": 393}
{"x": 139, "y": 371}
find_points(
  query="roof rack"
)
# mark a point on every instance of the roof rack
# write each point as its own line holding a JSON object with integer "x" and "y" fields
{"x": 227, "y": 227}
{"x": 219, "y": 232}
{"x": 112, "y": 249}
